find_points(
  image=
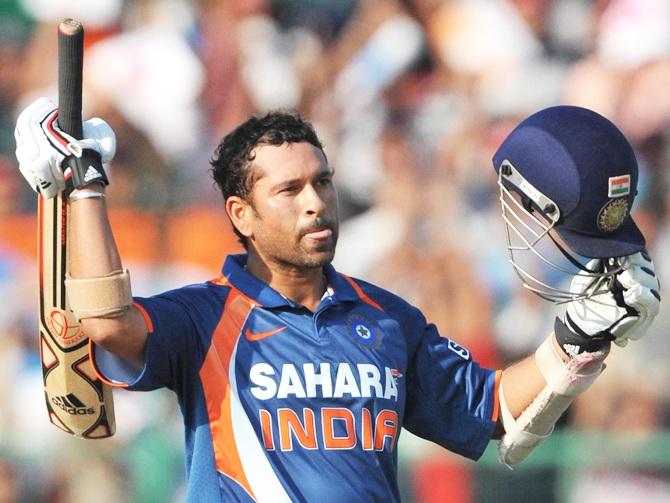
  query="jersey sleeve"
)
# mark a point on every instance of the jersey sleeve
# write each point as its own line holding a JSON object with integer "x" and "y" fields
{"x": 451, "y": 400}
{"x": 178, "y": 324}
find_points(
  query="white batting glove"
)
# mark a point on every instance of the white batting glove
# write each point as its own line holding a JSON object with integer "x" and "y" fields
{"x": 624, "y": 313}
{"x": 41, "y": 146}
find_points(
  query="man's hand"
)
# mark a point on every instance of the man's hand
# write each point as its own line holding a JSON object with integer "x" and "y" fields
{"x": 621, "y": 314}
{"x": 51, "y": 160}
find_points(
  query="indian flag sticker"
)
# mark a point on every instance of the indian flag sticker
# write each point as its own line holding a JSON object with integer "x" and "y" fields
{"x": 618, "y": 186}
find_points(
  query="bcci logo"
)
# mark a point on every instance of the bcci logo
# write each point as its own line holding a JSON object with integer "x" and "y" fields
{"x": 363, "y": 331}
{"x": 612, "y": 215}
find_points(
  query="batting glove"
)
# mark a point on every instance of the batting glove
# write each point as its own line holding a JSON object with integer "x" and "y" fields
{"x": 623, "y": 313}
{"x": 53, "y": 161}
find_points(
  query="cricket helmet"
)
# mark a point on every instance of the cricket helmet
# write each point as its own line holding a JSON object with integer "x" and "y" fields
{"x": 568, "y": 173}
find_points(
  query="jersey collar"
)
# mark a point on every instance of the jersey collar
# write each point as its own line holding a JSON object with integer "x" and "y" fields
{"x": 252, "y": 287}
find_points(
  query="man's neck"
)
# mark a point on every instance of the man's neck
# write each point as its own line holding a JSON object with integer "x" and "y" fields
{"x": 304, "y": 286}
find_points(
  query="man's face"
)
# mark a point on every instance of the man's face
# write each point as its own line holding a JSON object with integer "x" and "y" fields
{"x": 293, "y": 220}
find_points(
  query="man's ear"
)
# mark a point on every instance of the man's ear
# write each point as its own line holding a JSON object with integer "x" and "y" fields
{"x": 240, "y": 214}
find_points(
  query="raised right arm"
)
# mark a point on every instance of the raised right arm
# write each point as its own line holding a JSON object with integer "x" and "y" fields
{"x": 98, "y": 288}
{"x": 94, "y": 254}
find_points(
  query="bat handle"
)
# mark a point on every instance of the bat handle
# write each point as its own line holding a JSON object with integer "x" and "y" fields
{"x": 70, "y": 72}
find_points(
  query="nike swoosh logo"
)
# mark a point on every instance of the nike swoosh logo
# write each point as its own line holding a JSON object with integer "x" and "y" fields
{"x": 257, "y": 336}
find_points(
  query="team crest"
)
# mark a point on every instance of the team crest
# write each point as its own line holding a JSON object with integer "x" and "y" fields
{"x": 612, "y": 215}
{"x": 363, "y": 331}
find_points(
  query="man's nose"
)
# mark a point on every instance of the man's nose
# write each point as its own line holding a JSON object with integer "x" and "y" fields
{"x": 313, "y": 202}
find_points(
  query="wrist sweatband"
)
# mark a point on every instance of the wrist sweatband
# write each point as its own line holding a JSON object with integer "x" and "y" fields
{"x": 572, "y": 377}
{"x": 575, "y": 341}
{"x": 86, "y": 168}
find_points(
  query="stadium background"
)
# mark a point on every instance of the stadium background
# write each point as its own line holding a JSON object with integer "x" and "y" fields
{"x": 411, "y": 97}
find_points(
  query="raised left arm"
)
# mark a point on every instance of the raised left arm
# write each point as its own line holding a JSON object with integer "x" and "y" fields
{"x": 536, "y": 391}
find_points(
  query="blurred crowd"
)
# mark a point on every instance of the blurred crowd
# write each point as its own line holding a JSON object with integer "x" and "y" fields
{"x": 411, "y": 98}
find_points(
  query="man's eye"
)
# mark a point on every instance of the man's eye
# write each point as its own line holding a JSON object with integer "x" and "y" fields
{"x": 324, "y": 182}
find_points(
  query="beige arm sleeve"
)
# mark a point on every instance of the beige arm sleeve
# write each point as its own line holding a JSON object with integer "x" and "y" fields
{"x": 106, "y": 296}
{"x": 564, "y": 381}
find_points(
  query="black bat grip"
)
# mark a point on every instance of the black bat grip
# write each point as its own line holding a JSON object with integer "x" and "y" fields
{"x": 70, "y": 69}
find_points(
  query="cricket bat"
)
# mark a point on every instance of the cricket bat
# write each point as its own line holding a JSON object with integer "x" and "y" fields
{"x": 77, "y": 401}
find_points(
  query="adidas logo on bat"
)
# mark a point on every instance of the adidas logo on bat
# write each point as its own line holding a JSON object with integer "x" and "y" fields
{"x": 72, "y": 405}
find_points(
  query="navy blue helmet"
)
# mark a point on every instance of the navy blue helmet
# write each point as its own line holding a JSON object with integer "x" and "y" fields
{"x": 569, "y": 174}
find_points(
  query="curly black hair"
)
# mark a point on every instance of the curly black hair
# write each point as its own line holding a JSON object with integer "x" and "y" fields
{"x": 234, "y": 155}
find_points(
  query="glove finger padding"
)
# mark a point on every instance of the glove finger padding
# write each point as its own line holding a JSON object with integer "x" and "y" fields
{"x": 640, "y": 258}
{"x": 598, "y": 312}
{"x": 641, "y": 293}
{"x": 639, "y": 276}
{"x": 624, "y": 313}
{"x": 101, "y": 134}
{"x": 41, "y": 177}
{"x": 646, "y": 305}
{"x": 28, "y": 131}
{"x": 38, "y": 158}
{"x": 42, "y": 147}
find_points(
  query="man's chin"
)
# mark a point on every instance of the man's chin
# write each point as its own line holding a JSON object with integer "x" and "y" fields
{"x": 319, "y": 258}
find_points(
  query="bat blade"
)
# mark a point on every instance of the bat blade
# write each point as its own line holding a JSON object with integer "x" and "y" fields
{"x": 77, "y": 401}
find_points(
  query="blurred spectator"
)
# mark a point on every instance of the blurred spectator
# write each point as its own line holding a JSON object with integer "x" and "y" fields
{"x": 9, "y": 490}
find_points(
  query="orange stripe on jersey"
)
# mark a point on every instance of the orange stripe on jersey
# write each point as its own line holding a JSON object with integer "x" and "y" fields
{"x": 359, "y": 291}
{"x": 147, "y": 319}
{"x": 216, "y": 386}
{"x": 496, "y": 398}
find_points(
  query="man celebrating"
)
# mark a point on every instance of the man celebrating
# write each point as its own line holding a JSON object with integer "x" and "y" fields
{"x": 294, "y": 380}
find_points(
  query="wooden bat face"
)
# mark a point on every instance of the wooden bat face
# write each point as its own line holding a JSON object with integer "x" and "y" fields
{"x": 77, "y": 401}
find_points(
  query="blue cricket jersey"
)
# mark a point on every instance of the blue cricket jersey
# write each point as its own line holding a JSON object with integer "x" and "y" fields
{"x": 282, "y": 404}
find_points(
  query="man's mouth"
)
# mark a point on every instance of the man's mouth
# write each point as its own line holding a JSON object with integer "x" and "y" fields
{"x": 319, "y": 234}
